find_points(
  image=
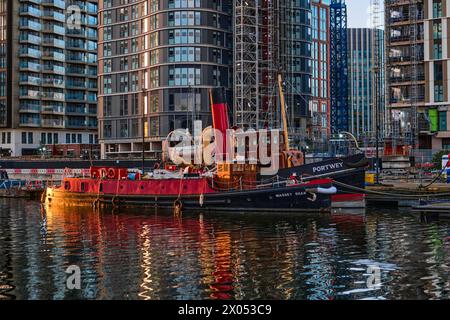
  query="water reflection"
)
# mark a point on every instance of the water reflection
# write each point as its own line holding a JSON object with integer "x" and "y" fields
{"x": 154, "y": 255}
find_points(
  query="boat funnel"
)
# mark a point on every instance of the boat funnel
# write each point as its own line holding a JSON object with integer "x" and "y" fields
{"x": 219, "y": 109}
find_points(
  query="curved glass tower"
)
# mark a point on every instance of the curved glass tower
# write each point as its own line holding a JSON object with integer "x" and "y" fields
{"x": 157, "y": 60}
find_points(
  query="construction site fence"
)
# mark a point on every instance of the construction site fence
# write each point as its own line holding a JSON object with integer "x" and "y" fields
{"x": 425, "y": 155}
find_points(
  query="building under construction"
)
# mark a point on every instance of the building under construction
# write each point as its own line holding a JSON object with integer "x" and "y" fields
{"x": 405, "y": 75}
{"x": 271, "y": 37}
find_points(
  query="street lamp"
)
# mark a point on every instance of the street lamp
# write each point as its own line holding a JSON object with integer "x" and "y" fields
{"x": 341, "y": 136}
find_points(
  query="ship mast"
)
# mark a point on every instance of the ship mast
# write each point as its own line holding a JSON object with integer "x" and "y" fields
{"x": 283, "y": 113}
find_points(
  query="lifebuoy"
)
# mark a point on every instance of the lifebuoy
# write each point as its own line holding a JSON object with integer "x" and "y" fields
{"x": 314, "y": 197}
{"x": 116, "y": 201}
{"x": 111, "y": 173}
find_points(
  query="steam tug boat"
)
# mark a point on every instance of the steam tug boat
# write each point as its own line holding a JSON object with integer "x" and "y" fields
{"x": 230, "y": 186}
{"x": 192, "y": 191}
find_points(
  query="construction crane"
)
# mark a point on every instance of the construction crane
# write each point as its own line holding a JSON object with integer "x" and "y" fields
{"x": 377, "y": 93}
{"x": 339, "y": 67}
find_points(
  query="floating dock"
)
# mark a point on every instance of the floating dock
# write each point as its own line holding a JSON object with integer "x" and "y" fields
{"x": 404, "y": 194}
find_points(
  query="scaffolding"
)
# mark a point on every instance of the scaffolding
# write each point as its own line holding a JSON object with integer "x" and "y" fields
{"x": 256, "y": 57}
{"x": 269, "y": 64}
{"x": 246, "y": 57}
{"x": 405, "y": 57}
{"x": 339, "y": 67}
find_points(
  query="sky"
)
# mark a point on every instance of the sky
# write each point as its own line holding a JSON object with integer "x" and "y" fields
{"x": 358, "y": 13}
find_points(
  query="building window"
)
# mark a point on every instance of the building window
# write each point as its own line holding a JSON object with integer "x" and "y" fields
{"x": 443, "y": 121}
{"x": 437, "y": 8}
{"x": 24, "y": 138}
{"x": 123, "y": 105}
{"x": 437, "y": 50}
{"x": 446, "y": 144}
{"x": 124, "y": 128}
{"x": 107, "y": 129}
{"x": 107, "y": 106}
{"x": 437, "y": 30}
{"x": 438, "y": 93}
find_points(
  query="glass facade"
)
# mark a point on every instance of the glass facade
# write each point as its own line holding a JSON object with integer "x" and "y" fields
{"x": 319, "y": 109}
{"x": 361, "y": 82}
{"x": 158, "y": 59}
{"x": 295, "y": 56}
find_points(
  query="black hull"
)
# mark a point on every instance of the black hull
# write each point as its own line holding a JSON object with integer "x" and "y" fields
{"x": 286, "y": 199}
{"x": 350, "y": 171}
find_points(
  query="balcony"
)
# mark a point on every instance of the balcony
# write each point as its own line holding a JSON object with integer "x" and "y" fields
{"x": 33, "y": 25}
{"x": 76, "y": 84}
{"x": 29, "y": 121}
{"x": 76, "y": 124}
{"x": 53, "y": 96}
{"x": 31, "y": 38}
{"x": 76, "y": 97}
{"x": 53, "y": 82}
{"x": 29, "y": 93}
{"x": 29, "y": 108}
{"x": 27, "y": 65}
{"x": 56, "y": 3}
{"x": 52, "y": 109}
{"x": 30, "y": 52}
{"x": 26, "y": 9}
{"x": 58, "y": 16}
{"x": 54, "y": 68}
{"x": 76, "y": 110}
{"x": 26, "y": 79}
{"x": 54, "y": 42}
{"x": 54, "y": 55}
{"x": 52, "y": 123}
{"x": 52, "y": 28}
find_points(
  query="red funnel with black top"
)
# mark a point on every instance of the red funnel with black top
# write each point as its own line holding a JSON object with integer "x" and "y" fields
{"x": 219, "y": 108}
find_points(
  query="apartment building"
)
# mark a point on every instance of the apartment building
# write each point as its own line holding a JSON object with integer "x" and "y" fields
{"x": 319, "y": 107}
{"x": 407, "y": 113}
{"x": 437, "y": 71}
{"x": 48, "y": 74}
{"x": 158, "y": 60}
